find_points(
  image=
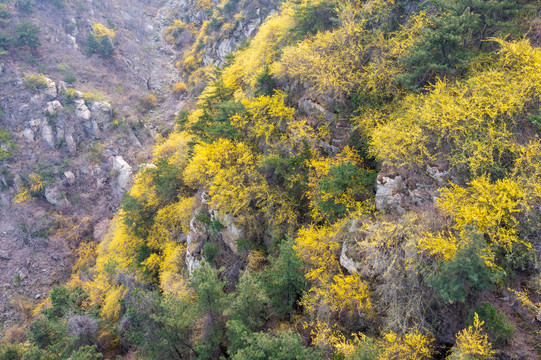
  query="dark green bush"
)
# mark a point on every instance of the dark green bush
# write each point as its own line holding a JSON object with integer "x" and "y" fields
{"x": 284, "y": 346}
{"x": 312, "y": 19}
{"x": 465, "y": 275}
{"x": 104, "y": 47}
{"x": 345, "y": 178}
{"x": 285, "y": 281}
{"x": 27, "y": 34}
{"x": 496, "y": 325}
{"x": 25, "y": 6}
{"x": 7, "y": 146}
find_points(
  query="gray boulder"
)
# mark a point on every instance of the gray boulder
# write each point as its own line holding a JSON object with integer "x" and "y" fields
{"x": 102, "y": 112}
{"x": 28, "y": 135}
{"x": 50, "y": 91}
{"x": 124, "y": 172}
{"x": 81, "y": 110}
{"x": 48, "y": 135}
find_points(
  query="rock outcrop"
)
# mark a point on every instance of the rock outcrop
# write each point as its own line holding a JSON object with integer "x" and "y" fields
{"x": 47, "y": 134}
{"x": 124, "y": 172}
{"x": 399, "y": 190}
{"x": 102, "y": 112}
{"x": 50, "y": 92}
{"x": 81, "y": 110}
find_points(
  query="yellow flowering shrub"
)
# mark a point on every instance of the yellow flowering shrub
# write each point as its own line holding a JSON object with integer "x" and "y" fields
{"x": 469, "y": 123}
{"x": 472, "y": 344}
{"x": 412, "y": 345}
{"x": 250, "y": 63}
{"x": 101, "y": 31}
{"x": 319, "y": 249}
{"x": 492, "y": 207}
{"x": 338, "y": 185}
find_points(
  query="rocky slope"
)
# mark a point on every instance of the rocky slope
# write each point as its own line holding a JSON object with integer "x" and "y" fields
{"x": 84, "y": 133}
{"x": 81, "y": 149}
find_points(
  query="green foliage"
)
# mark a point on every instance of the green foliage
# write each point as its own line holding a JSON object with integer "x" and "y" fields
{"x": 65, "y": 302}
{"x": 466, "y": 275}
{"x": 345, "y": 179}
{"x": 454, "y": 32}
{"x": 87, "y": 352}
{"x": 60, "y": 300}
{"x": 27, "y": 34}
{"x": 6, "y": 39}
{"x": 266, "y": 84}
{"x": 285, "y": 280}
{"x": 137, "y": 216}
{"x": 24, "y": 352}
{"x": 46, "y": 333}
{"x": 167, "y": 179}
{"x": 103, "y": 46}
{"x": 7, "y": 146}
{"x": 217, "y": 107}
{"x": 284, "y": 346}
{"x": 210, "y": 251}
{"x": 499, "y": 331}
{"x": 440, "y": 50}
{"x": 248, "y": 304}
{"x": 59, "y": 3}
{"x": 210, "y": 304}
{"x": 160, "y": 326}
{"x": 214, "y": 24}
{"x": 291, "y": 174}
{"x": 315, "y": 17}
{"x": 208, "y": 287}
{"x": 25, "y": 6}
{"x": 265, "y": 167}
{"x": 70, "y": 78}
{"x": 11, "y": 352}
{"x": 366, "y": 348}
{"x": 182, "y": 118}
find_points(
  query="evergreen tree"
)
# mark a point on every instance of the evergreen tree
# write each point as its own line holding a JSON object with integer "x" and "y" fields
{"x": 27, "y": 34}
{"x": 285, "y": 281}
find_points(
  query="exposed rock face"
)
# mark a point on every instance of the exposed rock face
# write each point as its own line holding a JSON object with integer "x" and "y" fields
{"x": 47, "y": 134}
{"x": 399, "y": 190}
{"x": 50, "y": 92}
{"x": 347, "y": 262}
{"x": 441, "y": 177}
{"x": 52, "y": 107}
{"x": 53, "y": 196}
{"x": 102, "y": 112}
{"x": 70, "y": 143}
{"x": 70, "y": 177}
{"x": 91, "y": 127}
{"x": 193, "y": 251}
{"x": 388, "y": 194}
{"x": 225, "y": 47}
{"x": 231, "y": 233}
{"x": 28, "y": 135}
{"x": 339, "y": 126}
{"x": 81, "y": 110}
{"x": 314, "y": 109}
{"x": 124, "y": 172}
{"x": 58, "y": 114}
{"x": 35, "y": 124}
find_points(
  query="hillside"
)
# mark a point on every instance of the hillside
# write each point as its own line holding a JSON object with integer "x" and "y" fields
{"x": 300, "y": 179}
